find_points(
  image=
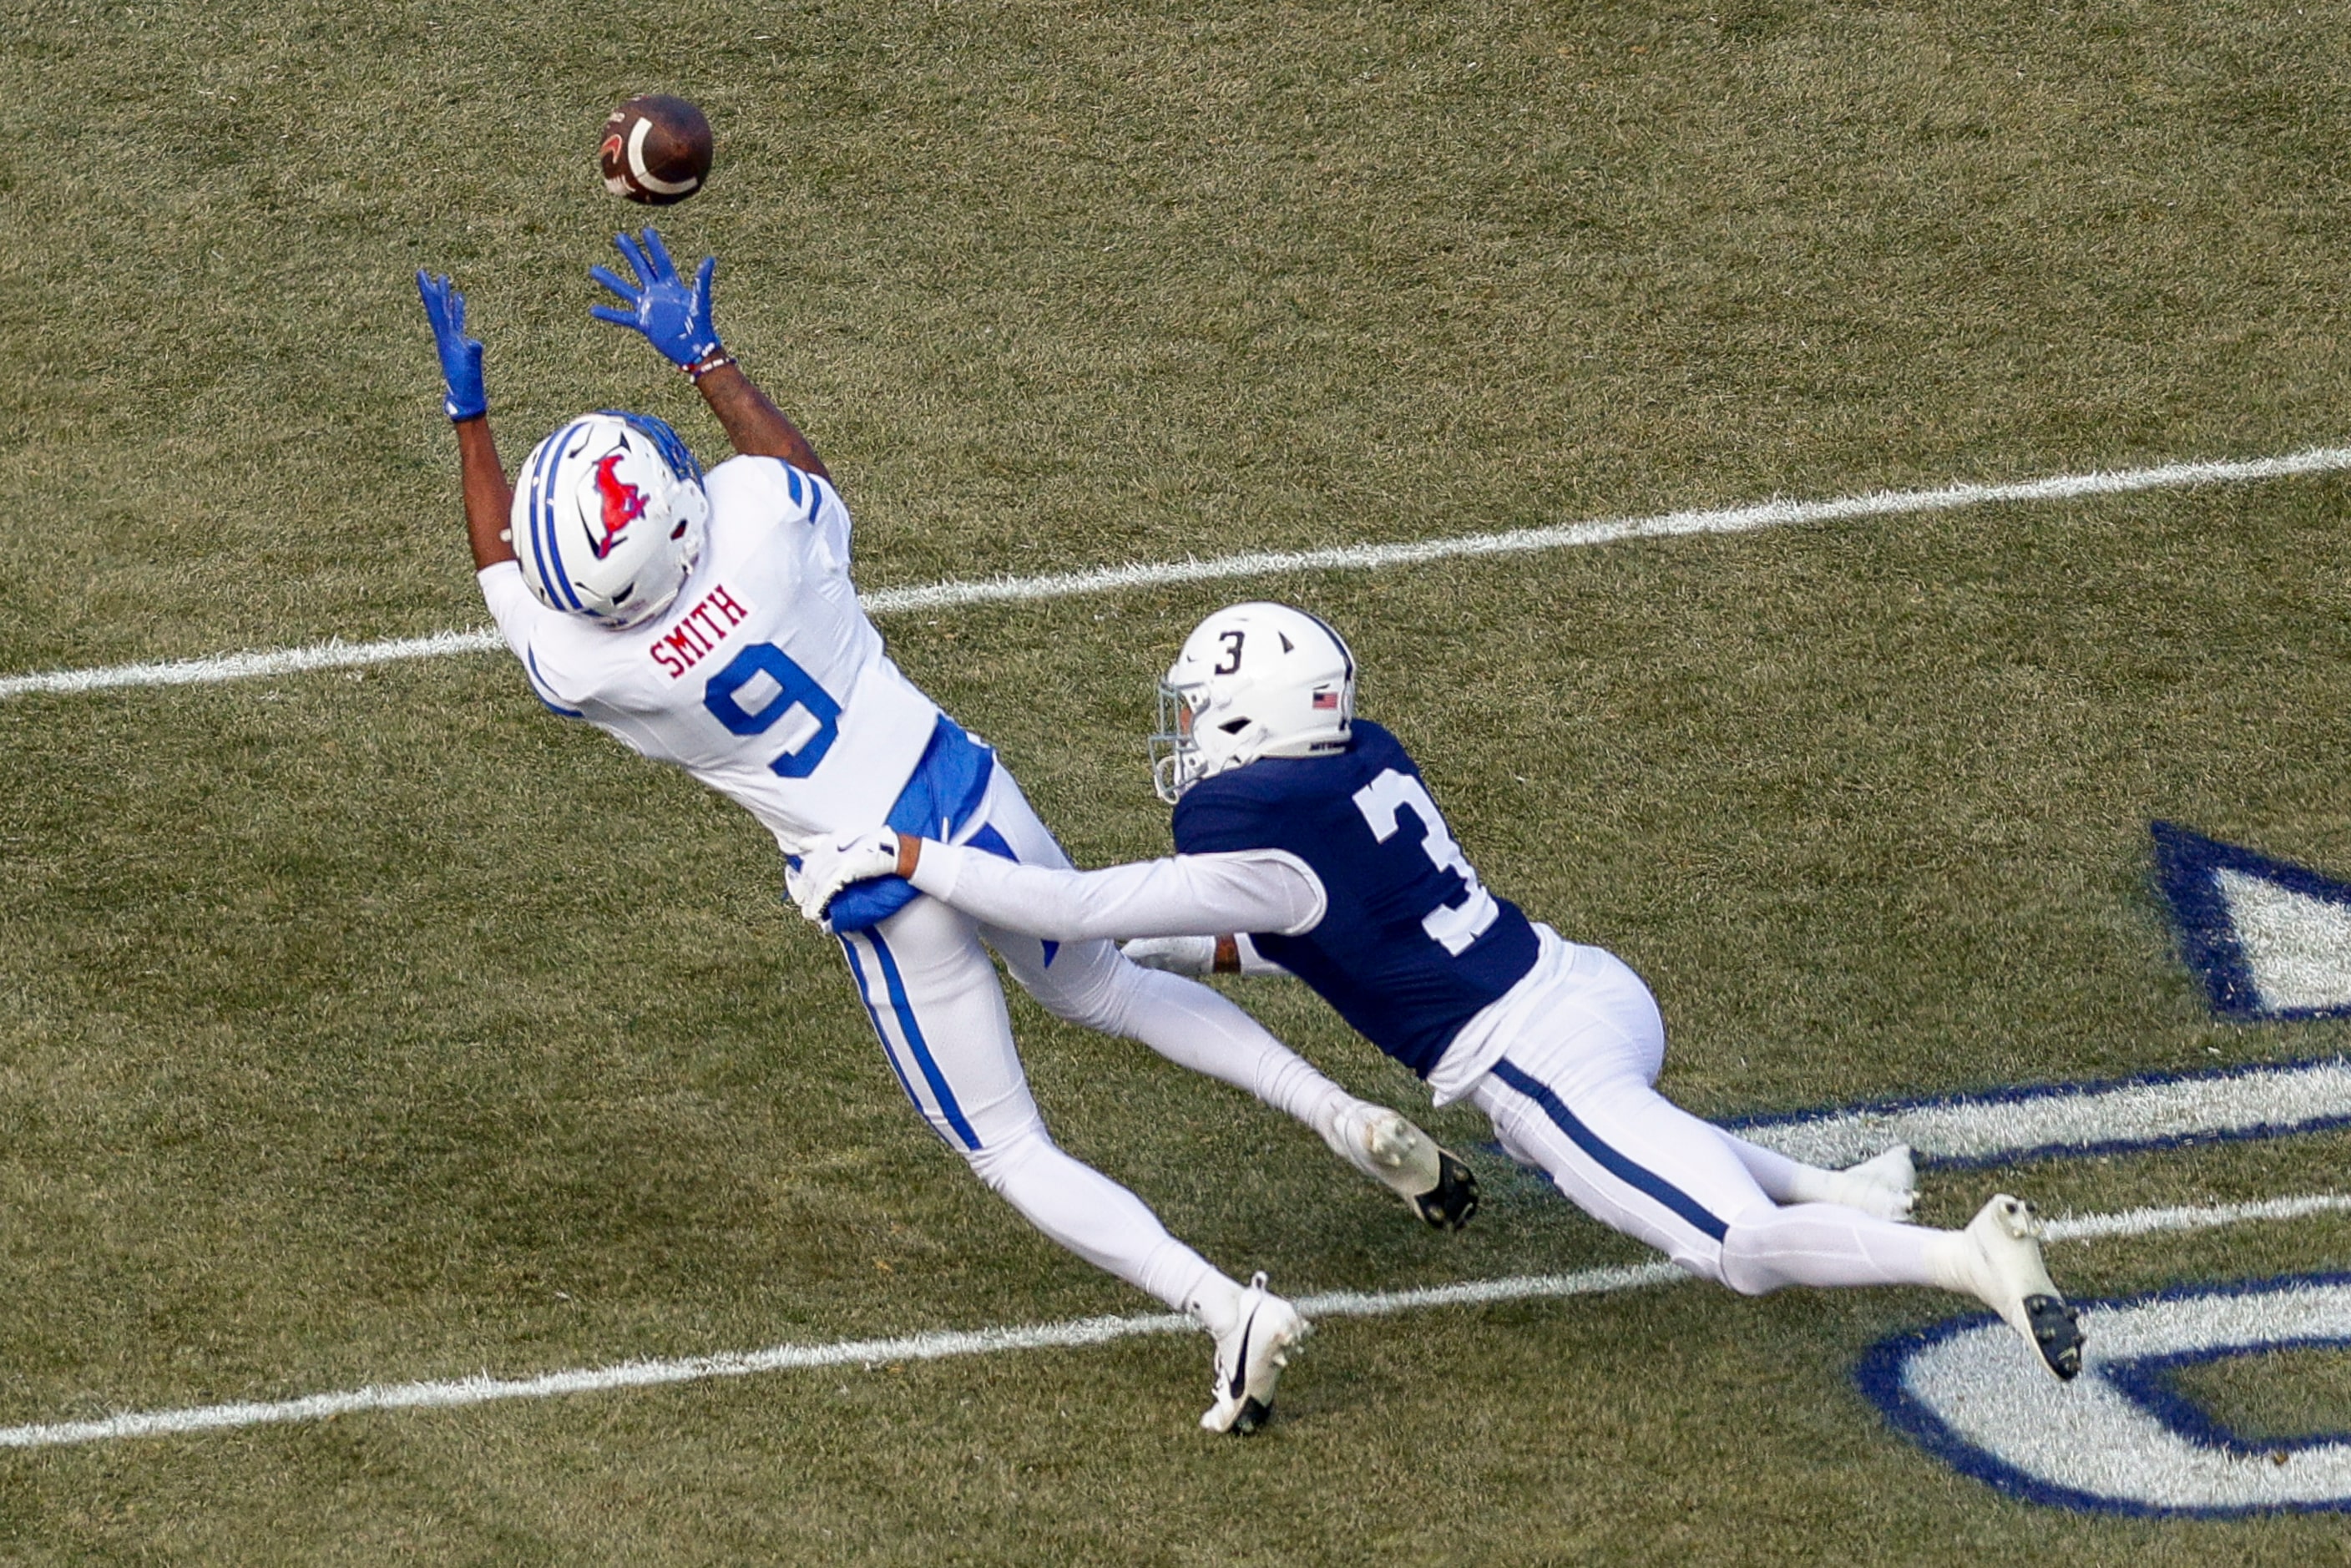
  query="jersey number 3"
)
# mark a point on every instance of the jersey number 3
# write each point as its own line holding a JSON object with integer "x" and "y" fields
{"x": 1453, "y": 926}
{"x": 774, "y": 686}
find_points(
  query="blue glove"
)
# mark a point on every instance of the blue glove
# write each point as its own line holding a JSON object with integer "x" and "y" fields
{"x": 674, "y": 318}
{"x": 461, "y": 357}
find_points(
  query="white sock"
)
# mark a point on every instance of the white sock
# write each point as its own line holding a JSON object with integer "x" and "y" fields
{"x": 1100, "y": 1221}
{"x": 1826, "y": 1244}
{"x": 1868, "y": 1187}
{"x": 1213, "y": 1300}
{"x": 1198, "y": 1028}
{"x": 1952, "y": 1264}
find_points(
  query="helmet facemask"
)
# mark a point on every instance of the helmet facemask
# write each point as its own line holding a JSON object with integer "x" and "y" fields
{"x": 1175, "y": 761}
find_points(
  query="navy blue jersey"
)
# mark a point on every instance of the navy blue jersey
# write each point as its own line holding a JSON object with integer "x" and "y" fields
{"x": 1411, "y": 947}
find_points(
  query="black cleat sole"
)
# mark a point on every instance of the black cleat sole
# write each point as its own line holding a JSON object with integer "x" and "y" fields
{"x": 1449, "y": 1205}
{"x": 1255, "y": 1413}
{"x": 2057, "y": 1332}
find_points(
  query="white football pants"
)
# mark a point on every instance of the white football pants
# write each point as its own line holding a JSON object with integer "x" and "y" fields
{"x": 1577, "y": 1096}
{"x": 926, "y": 981}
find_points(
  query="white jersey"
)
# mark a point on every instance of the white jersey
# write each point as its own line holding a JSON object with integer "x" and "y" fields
{"x": 763, "y": 679}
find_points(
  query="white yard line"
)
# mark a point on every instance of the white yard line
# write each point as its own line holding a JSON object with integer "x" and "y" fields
{"x": 1074, "y": 1334}
{"x": 338, "y": 654}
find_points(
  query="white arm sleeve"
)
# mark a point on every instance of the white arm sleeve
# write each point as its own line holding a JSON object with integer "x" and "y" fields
{"x": 517, "y": 612}
{"x": 510, "y": 602}
{"x": 1183, "y": 895}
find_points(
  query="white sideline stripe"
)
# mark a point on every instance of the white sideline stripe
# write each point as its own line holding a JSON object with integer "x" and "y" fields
{"x": 2149, "y": 1114}
{"x": 339, "y": 654}
{"x": 1072, "y": 1334}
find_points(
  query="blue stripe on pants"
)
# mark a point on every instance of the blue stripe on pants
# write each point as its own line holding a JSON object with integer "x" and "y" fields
{"x": 1638, "y": 1177}
{"x": 857, "y": 972}
{"x": 913, "y": 1032}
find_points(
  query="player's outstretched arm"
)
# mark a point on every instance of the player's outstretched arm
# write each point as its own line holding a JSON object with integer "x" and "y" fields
{"x": 490, "y": 499}
{"x": 674, "y": 318}
{"x": 1181, "y": 895}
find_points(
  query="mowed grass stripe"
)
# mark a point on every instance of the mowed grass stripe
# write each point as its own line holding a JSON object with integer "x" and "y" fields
{"x": 1750, "y": 519}
{"x": 1075, "y": 1333}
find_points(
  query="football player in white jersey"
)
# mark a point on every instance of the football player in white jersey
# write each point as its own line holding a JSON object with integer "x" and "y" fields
{"x": 710, "y": 622}
{"x": 1313, "y": 828}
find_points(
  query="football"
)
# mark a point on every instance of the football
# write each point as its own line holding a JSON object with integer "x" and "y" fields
{"x": 656, "y": 150}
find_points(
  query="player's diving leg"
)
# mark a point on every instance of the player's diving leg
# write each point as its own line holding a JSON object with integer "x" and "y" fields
{"x": 1884, "y": 1185}
{"x": 925, "y": 981}
{"x": 1094, "y": 985}
{"x": 1579, "y": 1101}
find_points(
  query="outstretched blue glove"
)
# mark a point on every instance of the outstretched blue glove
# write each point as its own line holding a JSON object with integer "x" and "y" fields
{"x": 461, "y": 357}
{"x": 674, "y": 316}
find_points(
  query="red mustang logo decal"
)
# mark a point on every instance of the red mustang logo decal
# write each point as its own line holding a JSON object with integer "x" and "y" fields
{"x": 623, "y": 504}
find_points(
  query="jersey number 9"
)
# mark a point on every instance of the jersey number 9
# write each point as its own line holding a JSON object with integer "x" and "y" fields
{"x": 764, "y": 675}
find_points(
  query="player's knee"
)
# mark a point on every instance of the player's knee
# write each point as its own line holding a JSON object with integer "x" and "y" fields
{"x": 1743, "y": 1261}
{"x": 1094, "y": 992}
{"x": 1002, "y": 1161}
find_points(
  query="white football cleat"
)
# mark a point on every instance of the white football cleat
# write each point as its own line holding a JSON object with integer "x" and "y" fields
{"x": 2000, "y": 1253}
{"x": 1884, "y": 1185}
{"x": 1250, "y": 1360}
{"x": 1384, "y": 1146}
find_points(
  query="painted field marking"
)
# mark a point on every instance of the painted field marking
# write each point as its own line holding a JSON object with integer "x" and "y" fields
{"x": 2269, "y": 938}
{"x": 338, "y": 654}
{"x": 2153, "y": 1110}
{"x": 1073, "y": 1333}
{"x": 2125, "y": 1436}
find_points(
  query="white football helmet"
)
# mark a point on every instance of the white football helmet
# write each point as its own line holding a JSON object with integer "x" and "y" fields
{"x": 1253, "y": 680}
{"x": 609, "y": 518}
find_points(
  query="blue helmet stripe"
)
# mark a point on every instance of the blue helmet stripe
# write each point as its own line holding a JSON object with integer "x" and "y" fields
{"x": 536, "y": 499}
{"x": 550, "y": 559}
{"x": 666, "y": 441}
{"x": 1344, "y": 651}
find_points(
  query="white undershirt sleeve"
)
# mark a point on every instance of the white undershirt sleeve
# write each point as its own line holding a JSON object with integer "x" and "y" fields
{"x": 518, "y": 613}
{"x": 1181, "y": 895}
{"x": 510, "y": 602}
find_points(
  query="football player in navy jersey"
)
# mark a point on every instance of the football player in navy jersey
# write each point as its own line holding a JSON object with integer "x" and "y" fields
{"x": 1306, "y": 838}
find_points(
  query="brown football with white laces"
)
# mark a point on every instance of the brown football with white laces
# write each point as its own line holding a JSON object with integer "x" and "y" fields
{"x": 656, "y": 150}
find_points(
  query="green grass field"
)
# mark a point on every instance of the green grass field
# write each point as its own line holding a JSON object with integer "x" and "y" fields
{"x": 371, "y": 1026}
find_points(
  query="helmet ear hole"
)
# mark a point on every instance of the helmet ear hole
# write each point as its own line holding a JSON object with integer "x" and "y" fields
{"x": 1234, "y": 726}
